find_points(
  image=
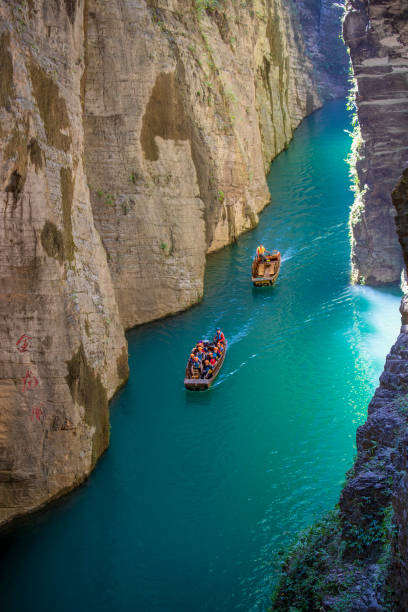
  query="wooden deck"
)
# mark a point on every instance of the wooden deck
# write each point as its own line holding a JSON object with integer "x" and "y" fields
{"x": 266, "y": 272}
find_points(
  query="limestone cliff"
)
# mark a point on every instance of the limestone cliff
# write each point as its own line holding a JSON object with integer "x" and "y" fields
{"x": 62, "y": 346}
{"x": 376, "y": 32}
{"x": 186, "y": 103}
{"x": 134, "y": 139}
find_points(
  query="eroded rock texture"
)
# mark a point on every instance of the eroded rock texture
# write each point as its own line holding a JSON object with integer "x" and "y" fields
{"x": 134, "y": 139}
{"x": 62, "y": 347}
{"x": 321, "y": 28}
{"x": 376, "y": 32}
{"x": 184, "y": 110}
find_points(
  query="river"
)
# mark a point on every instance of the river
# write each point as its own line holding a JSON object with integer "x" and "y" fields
{"x": 198, "y": 491}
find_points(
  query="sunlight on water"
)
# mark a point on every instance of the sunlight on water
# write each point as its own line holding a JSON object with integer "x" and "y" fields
{"x": 381, "y": 319}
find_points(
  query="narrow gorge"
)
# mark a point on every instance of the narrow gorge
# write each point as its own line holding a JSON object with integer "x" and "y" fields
{"x": 355, "y": 558}
{"x": 136, "y": 138}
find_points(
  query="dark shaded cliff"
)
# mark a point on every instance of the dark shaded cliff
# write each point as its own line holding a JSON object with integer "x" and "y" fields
{"x": 356, "y": 558}
{"x": 376, "y": 33}
{"x": 321, "y": 22}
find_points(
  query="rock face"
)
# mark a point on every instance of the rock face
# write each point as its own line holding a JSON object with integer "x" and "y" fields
{"x": 357, "y": 557}
{"x": 134, "y": 139}
{"x": 62, "y": 347}
{"x": 376, "y": 32}
{"x": 185, "y": 106}
{"x": 321, "y": 28}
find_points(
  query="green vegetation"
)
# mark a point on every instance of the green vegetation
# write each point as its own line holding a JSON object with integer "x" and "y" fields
{"x": 221, "y": 196}
{"x": 304, "y": 582}
{"x": 353, "y": 159}
{"x": 231, "y": 96}
{"x": 203, "y": 5}
{"x": 326, "y": 562}
{"x": 376, "y": 530}
{"x": 357, "y": 141}
{"x": 108, "y": 198}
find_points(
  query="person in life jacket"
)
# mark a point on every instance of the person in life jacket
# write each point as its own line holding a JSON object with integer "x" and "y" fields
{"x": 261, "y": 253}
{"x": 220, "y": 348}
{"x": 207, "y": 369}
{"x": 219, "y": 336}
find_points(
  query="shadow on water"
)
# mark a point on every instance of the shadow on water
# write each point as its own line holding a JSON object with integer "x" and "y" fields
{"x": 198, "y": 491}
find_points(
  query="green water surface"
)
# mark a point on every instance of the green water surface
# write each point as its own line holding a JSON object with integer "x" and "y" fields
{"x": 198, "y": 491}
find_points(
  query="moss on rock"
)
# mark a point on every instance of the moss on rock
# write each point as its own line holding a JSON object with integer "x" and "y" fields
{"x": 164, "y": 115}
{"x": 17, "y": 148}
{"x": 36, "y": 154}
{"x": 67, "y": 194}
{"x": 122, "y": 365}
{"x": 6, "y": 70}
{"x": 87, "y": 390}
{"x": 52, "y": 107}
{"x": 52, "y": 241}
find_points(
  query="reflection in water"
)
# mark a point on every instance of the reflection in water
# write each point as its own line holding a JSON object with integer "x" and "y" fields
{"x": 199, "y": 491}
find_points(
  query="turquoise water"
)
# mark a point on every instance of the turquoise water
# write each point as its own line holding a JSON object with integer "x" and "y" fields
{"x": 198, "y": 491}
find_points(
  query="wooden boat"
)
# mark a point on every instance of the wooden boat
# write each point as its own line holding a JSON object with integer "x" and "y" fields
{"x": 266, "y": 272}
{"x": 193, "y": 381}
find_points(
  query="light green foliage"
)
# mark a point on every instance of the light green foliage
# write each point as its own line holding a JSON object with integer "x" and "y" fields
{"x": 221, "y": 196}
{"x": 353, "y": 158}
{"x": 357, "y": 141}
{"x": 231, "y": 96}
{"x": 108, "y": 198}
{"x": 202, "y": 5}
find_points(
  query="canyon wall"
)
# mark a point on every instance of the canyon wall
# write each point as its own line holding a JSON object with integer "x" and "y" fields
{"x": 62, "y": 346}
{"x": 134, "y": 139}
{"x": 377, "y": 35}
{"x": 320, "y": 22}
{"x": 356, "y": 557}
{"x": 186, "y": 104}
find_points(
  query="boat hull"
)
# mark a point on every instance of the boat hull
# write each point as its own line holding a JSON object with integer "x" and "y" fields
{"x": 196, "y": 385}
{"x": 263, "y": 283}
